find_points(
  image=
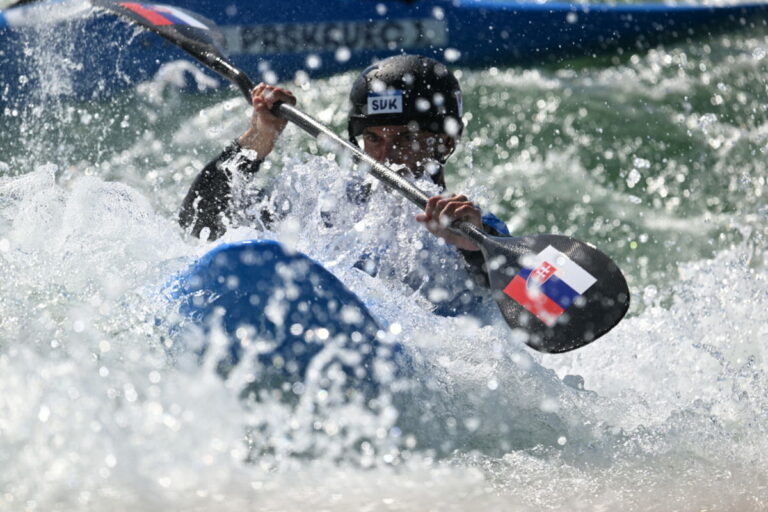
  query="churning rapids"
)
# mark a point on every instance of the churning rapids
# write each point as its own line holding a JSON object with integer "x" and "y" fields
{"x": 657, "y": 158}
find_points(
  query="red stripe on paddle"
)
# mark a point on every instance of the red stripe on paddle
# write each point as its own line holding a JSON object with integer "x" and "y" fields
{"x": 150, "y": 15}
{"x": 536, "y": 302}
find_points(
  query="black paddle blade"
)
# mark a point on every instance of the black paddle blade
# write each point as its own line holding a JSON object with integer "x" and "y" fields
{"x": 562, "y": 292}
{"x": 194, "y": 33}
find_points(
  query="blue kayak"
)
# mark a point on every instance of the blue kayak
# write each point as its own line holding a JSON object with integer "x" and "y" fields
{"x": 290, "y": 312}
{"x": 104, "y": 55}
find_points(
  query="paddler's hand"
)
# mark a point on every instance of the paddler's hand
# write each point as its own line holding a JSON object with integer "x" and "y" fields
{"x": 265, "y": 126}
{"x": 442, "y": 211}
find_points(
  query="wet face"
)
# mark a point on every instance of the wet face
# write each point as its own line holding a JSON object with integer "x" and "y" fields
{"x": 416, "y": 150}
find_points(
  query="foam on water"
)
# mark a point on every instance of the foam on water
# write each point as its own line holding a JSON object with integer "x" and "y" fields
{"x": 666, "y": 412}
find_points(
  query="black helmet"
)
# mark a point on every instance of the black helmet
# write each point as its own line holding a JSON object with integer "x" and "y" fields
{"x": 404, "y": 89}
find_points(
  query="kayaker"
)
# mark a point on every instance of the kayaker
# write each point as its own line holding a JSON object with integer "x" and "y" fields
{"x": 406, "y": 109}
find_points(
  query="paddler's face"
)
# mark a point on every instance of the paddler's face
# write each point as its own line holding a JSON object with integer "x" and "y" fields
{"x": 399, "y": 145}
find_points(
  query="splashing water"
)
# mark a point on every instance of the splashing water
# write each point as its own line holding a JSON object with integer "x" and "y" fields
{"x": 659, "y": 159}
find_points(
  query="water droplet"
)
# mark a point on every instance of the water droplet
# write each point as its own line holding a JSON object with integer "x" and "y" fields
{"x": 270, "y": 77}
{"x": 351, "y": 315}
{"x": 378, "y": 86}
{"x": 451, "y": 126}
{"x": 343, "y": 54}
{"x": 313, "y": 61}
{"x": 452, "y": 54}
{"x": 641, "y": 163}
{"x": 301, "y": 78}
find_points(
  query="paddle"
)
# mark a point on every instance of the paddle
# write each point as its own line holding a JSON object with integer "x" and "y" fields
{"x": 558, "y": 293}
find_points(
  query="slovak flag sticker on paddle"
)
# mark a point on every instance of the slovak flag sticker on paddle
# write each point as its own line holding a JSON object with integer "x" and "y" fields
{"x": 549, "y": 285}
{"x": 161, "y": 15}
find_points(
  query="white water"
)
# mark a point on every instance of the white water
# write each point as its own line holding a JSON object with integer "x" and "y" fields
{"x": 672, "y": 416}
{"x": 93, "y": 416}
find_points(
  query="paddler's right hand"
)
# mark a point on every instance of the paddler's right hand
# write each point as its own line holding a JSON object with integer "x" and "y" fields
{"x": 265, "y": 126}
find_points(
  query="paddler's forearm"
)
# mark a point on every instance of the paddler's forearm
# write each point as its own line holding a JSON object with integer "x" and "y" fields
{"x": 261, "y": 141}
{"x": 208, "y": 201}
{"x": 474, "y": 260}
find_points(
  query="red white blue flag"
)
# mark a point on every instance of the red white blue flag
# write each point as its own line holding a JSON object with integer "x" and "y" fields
{"x": 163, "y": 14}
{"x": 549, "y": 283}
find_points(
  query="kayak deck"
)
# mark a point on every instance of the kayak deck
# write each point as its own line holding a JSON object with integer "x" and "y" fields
{"x": 287, "y": 312}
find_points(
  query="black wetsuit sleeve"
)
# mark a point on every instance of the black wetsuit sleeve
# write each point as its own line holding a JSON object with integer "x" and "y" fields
{"x": 475, "y": 262}
{"x": 209, "y": 199}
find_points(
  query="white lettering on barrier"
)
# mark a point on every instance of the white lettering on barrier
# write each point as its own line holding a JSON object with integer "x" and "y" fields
{"x": 329, "y": 36}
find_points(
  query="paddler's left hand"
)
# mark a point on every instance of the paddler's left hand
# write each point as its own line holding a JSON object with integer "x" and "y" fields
{"x": 442, "y": 211}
